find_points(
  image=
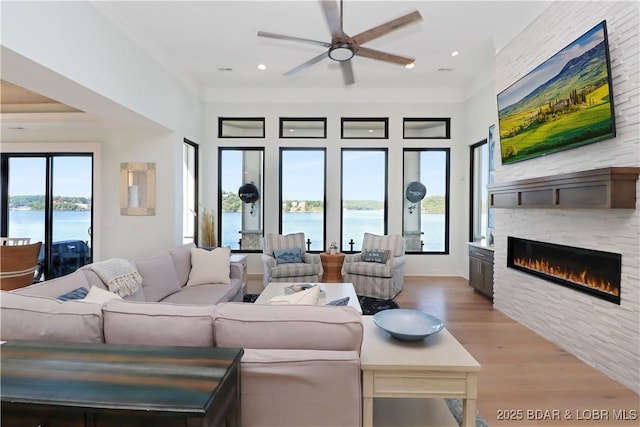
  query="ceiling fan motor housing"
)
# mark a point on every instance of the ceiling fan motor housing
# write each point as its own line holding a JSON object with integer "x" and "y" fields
{"x": 342, "y": 51}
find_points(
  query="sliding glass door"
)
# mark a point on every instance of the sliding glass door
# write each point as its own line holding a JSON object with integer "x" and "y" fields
{"x": 48, "y": 198}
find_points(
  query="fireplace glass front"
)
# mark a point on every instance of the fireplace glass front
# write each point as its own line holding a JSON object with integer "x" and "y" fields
{"x": 591, "y": 271}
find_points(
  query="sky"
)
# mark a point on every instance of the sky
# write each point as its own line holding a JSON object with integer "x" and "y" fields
{"x": 71, "y": 176}
{"x": 550, "y": 68}
{"x": 363, "y": 172}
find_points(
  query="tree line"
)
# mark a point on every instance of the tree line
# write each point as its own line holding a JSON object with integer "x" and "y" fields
{"x": 430, "y": 204}
{"x": 60, "y": 203}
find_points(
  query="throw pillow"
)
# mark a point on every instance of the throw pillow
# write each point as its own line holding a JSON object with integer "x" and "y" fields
{"x": 340, "y": 301}
{"x": 77, "y": 293}
{"x": 100, "y": 296}
{"x": 376, "y": 255}
{"x": 288, "y": 255}
{"x": 310, "y": 296}
{"x": 210, "y": 266}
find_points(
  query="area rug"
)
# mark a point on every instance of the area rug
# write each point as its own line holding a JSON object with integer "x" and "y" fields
{"x": 373, "y": 305}
{"x": 455, "y": 406}
{"x": 250, "y": 297}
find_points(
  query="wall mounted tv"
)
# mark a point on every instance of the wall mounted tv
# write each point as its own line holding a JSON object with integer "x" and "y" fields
{"x": 563, "y": 103}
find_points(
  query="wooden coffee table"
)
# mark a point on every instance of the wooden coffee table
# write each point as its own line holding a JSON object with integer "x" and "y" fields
{"x": 332, "y": 291}
{"x": 437, "y": 367}
{"x": 69, "y": 384}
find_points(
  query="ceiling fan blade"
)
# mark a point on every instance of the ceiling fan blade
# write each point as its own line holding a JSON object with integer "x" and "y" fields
{"x": 293, "y": 39}
{"x": 347, "y": 73}
{"x": 332, "y": 16}
{"x": 383, "y": 56}
{"x": 307, "y": 64}
{"x": 387, "y": 27}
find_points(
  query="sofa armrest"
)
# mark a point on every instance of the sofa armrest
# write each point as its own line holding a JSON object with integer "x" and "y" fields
{"x": 353, "y": 257}
{"x": 268, "y": 260}
{"x": 290, "y": 388}
{"x": 311, "y": 258}
{"x": 236, "y": 271}
{"x": 398, "y": 261}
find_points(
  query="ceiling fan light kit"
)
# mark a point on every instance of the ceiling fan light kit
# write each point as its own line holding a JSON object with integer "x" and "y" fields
{"x": 341, "y": 51}
{"x": 343, "y": 48}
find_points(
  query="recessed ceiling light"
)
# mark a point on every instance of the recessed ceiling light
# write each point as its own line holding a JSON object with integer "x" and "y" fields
{"x": 455, "y": 53}
{"x": 370, "y": 130}
{"x": 262, "y": 67}
{"x": 291, "y": 130}
{"x": 410, "y": 65}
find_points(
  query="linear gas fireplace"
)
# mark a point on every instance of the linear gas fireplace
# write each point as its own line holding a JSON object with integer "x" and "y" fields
{"x": 594, "y": 272}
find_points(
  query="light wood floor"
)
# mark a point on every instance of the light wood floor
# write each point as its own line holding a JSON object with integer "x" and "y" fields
{"x": 524, "y": 377}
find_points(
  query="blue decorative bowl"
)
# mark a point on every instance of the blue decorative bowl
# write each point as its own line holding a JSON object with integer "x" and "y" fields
{"x": 407, "y": 325}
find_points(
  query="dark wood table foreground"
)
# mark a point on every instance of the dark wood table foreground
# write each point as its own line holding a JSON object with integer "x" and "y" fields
{"x": 102, "y": 385}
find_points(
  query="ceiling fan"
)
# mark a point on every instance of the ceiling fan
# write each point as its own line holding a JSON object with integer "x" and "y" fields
{"x": 343, "y": 47}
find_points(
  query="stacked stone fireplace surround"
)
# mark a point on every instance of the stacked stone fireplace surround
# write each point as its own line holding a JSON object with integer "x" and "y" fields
{"x": 601, "y": 333}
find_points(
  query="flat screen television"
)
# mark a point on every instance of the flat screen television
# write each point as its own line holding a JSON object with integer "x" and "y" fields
{"x": 565, "y": 102}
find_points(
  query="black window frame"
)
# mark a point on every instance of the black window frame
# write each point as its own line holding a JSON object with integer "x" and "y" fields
{"x": 447, "y": 219}
{"x": 384, "y": 120}
{"x": 241, "y": 119}
{"x": 386, "y": 191}
{"x": 196, "y": 172}
{"x": 281, "y": 200}
{"x": 447, "y": 121}
{"x": 284, "y": 135}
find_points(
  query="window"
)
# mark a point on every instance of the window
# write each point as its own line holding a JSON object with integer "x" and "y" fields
{"x": 240, "y": 192}
{"x": 426, "y": 128}
{"x": 364, "y": 195}
{"x": 232, "y": 127}
{"x": 302, "y": 194}
{"x": 364, "y": 128}
{"x": 425, "y": 219}
{"x": 189, "y": 192}
{"x": 48, "y": 198}
{"x": 479, "y": 170}
{"x": 303, "y": 127}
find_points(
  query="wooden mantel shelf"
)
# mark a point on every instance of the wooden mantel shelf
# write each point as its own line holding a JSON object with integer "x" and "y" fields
{"x": 606, "y": 188}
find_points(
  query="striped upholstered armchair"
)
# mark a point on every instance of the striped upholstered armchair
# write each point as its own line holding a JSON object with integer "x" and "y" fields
{"x": 286, "y": 260}
{"x": 377, "y": 271}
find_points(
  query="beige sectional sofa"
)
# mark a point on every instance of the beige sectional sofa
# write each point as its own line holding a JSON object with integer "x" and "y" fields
{"x": 301, "y": 365}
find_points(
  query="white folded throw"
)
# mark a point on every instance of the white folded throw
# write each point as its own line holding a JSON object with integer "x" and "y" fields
{"x": 118, "y": 274}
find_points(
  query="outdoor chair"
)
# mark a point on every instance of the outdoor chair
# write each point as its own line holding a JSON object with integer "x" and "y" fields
{"x": 286, "y": 260}
{"x": 378, "y": 270}
{"x": 17, "y": 265}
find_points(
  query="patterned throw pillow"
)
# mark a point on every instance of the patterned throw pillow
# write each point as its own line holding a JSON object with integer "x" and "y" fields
{"x": 288, "y": 255}
{"x": 77, "y": 293}
{"x": 376, "y": 255}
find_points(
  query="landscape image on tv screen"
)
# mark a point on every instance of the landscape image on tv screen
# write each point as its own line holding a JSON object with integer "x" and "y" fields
{"x": 563, "y": 103}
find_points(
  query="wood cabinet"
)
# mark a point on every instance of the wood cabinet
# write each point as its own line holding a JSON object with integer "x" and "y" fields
{"x": 481, "y": 269}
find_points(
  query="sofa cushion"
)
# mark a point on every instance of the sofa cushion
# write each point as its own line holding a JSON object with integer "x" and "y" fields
{"x": 295, "y": 270}
{"x": 210, "y": 266}
{"x": 376, "y": 255}
{"x": 212, "y": 293}
{"x": 159, "y": 278}
{"x": 287, "y": 326}
{"x": 35, "y": 318}
{"x": 182, "y": 261}
{"x": 308, "y": 296}
{"x": 152, "y": 323}
{"x": 55, "y": 287}
{"x": 368, "y": 269}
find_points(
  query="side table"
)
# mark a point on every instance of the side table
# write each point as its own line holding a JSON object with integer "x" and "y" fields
{"x": 332, "y": 266}
{"x": 242, "y": 260}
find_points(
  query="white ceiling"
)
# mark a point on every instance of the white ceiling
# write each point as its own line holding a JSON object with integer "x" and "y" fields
{"x": 195, "y": 39}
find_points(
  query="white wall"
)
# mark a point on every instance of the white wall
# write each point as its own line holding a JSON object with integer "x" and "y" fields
{"x": 70, "y": 52}
{"x": 454, "y": 264}
{"x": 603, "y": 334}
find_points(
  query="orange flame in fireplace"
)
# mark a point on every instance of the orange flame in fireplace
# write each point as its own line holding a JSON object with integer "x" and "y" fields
{"x": 580, "y": 278}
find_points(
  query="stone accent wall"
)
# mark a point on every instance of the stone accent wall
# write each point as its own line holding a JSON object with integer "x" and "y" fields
{"x": 603, "y": 334}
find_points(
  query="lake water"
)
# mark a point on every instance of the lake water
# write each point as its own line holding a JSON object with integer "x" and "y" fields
{"x": 67, "y": 225}
{"x": 356, "y": 223}
{"x": 71, "y": 225}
